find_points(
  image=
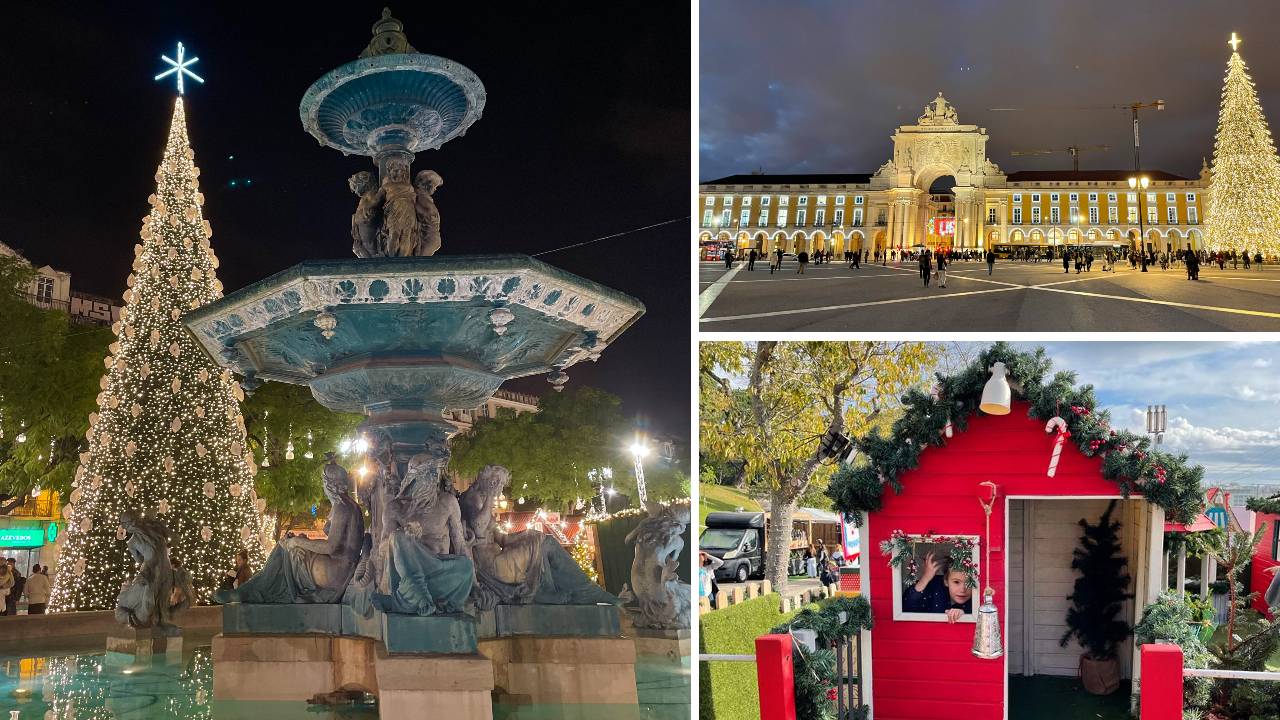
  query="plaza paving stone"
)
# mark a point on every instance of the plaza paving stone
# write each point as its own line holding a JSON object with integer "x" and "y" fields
{"x": 1017, "y": 297}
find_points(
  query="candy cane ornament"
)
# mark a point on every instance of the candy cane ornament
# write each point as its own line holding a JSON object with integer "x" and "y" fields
{"x": 1060, "y": 425}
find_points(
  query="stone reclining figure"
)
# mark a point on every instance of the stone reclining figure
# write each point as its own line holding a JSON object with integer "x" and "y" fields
{"x": 521, "y": 568}
{"x": 302, "y": 570}
{"x": 159, "y": 590}
{"x": 663, "y": 599}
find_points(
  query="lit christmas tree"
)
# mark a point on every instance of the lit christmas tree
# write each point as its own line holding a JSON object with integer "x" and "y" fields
{"x": 1244, "y": 195}
{"x": 168, "y": 436}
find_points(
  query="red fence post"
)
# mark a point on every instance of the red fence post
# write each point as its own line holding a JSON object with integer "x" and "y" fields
{"x": 776, "y": 677}
{"x": 1161, "y": 692}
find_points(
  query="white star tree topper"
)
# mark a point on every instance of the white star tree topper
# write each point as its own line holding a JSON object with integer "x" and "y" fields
{"x": 180, "y": 67}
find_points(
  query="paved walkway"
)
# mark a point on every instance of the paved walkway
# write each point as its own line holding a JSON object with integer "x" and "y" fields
{"x": 1017, "y": 297}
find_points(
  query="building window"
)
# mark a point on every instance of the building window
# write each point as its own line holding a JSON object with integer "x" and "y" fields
{"x": 1173, "y": 215}
{"x": 881, "y": 217}
{"x": 1053, "y": 197}
{"x": 1093, "y": 215}
{"x": 706, "y": 217}
{"x": 839, "y": 222}
{"x": 857, "y": 217}
{"x": 800, "y": 216}
{"x": 1191, "y": 198}
{"x": 1133, "y": 215}
{"x": 1111, "y": 198}
{"x": 1093, "y": 197}
{"x": 1151, "y": 198}
{"x": 1170, "y": 198}
{"x": 1035, "y": 215}
{"x": 857, "y": 199}
{"x": 764, "y": 218}
{"x": 839, "y": 200}
{"x": 1075, "y": 198}
{"x": 804, "y": 200}
{"x": 725, "y": 218}
{"x": 782, "y": 218}
{"x": 822, "y": 199}
{"x": 764, "y": 200}
{"x": 784, "y": 199}
{"x": 820, "y": 217}
{"x": 1191, "y": 215}
{"x": 1017, "y": 197}
{"x": 1035, "y": 197}
{"x": 744, "y": 219}
{"x": 711, "y": 200}
{"x": 991, "y": 216}
{"x": 1017, "y": 216}
{"x": 746, "y": 201}
{"x": 44, "y": 290}
{"x": 1132, "y": 198}
{"x": 1113, "y": 214}
{"x": 1152, "y": 215}
{"x": 1054, "y": 216}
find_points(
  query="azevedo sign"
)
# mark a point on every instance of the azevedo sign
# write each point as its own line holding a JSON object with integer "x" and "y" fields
{"x": 25, "y": 537}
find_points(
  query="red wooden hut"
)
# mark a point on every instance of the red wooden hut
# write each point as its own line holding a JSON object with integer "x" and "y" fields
{"x": 919, "y": 666}
{"x": 1265, "y": 557}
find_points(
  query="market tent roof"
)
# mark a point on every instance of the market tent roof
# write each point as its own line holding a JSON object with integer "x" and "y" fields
{"x": 1202, "y": 523}
{"x": 806, "y": 514}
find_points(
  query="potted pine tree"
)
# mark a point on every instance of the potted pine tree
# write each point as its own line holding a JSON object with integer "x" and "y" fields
{"x": 1096, "y": 603}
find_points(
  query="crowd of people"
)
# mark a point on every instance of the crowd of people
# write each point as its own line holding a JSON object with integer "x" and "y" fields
{"x": 14, "y": 587}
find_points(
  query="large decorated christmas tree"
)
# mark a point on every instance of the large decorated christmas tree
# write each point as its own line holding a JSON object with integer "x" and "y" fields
{"x": 168, "y": 437}
{"x": 1244, "y": 194}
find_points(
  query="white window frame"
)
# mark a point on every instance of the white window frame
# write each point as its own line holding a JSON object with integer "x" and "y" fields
{"x": 764, "y": 200}
{"x": 822, "y": 200}
{"x": 1017, "y": 216}
{"x": 746, "y": 201}
{"x": 1035, "y": 214}
{"x": 706, "y": 217}
{"x": 839, "y": 200}
{"x": 1111, "y": 198}
{"x": 1153, "y": 215}
{"x": 782, "y": 218}
{"x": 1017, "y": 197}
{"x": 784, "y": 199}
{"x": 1132, "y": 215}
{"x": 1172, "y": 215}
{"x": 857, "y": 199}
{"x": 1132, "y": 199}
{"x": 726, "y": 217}
{"x": 710, "y": 200}
{"x": 838, "y": 219}
{"x": 1191, "y": 198}
{"x": 744, "y": 217}
{"x": 857, "y": 217}
{"x": 1053, "y": 197}
{"x": 764, "y": 218}
{"x": 1093, "y": 214}
{"x": 992, "y": 217}
{"x": 1192, "y": 219}
{"x": 728, "y": 199}
{"x": 819, "y": 217}
{"x": 1170, "y": 198}
{"x": 801, "y": 216}
{"x": 804, "y": 201}
{"x": 1074, "y": 198}
{"x": 1093, "y": 197}
{"x": 1055, "y": 215}
{"x": 899, "y": 586}
{"x": 1035, "y": 197}
{"x": 1113, "y": 215}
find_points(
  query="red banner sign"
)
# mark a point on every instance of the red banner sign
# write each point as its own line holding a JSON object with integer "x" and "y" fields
{"x": 944, "y": 226}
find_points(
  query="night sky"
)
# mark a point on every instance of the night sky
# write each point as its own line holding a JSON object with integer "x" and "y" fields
{"x": 821, "y": 86}
{"x": 585, "y": 133}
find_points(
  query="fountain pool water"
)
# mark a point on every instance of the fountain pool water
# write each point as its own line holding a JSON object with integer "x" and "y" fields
{"x": 76, "y": 681}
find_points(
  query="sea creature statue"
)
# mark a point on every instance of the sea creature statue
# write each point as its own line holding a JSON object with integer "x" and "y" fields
{"x": 663, "y": 599}
{"x": 302, "y": 570}
{"x": 159, "y": 590}
{"x": 393, "y": 217}
{"x": 521, "y": 568}
{"x": 425, "y": 563}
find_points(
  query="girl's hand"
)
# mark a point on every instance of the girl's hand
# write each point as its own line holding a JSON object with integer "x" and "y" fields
{"x": 954, "y": 614}
{"x": 931, "y": 567}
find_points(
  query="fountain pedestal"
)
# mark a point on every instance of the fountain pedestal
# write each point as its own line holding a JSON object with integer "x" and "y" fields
{"x": 143, "y": 646}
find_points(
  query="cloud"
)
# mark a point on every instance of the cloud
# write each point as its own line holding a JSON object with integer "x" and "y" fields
{"x": 1262, "y": 362}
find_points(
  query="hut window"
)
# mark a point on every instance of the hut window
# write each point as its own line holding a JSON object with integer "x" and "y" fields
{"x": 938, "y": 586}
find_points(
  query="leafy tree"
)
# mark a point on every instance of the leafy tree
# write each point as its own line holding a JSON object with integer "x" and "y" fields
{"x": 1249, "y": 639}
{"x": 797, "y": 393}
{"x": 550, "y": 452}
{"x": 1099, "y": 592}
{"x": 277, "y": 414}
{"x": 49, "y": 374}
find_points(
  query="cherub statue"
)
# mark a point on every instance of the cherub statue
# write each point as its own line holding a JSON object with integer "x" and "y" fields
{"x": 426, "y": 182}
{"x": 663, "y": 599}
{"x": 399, "y": 232}
{"x": 150, "y": 600}
{"x": 302, "y": 570}
{"x": 522, "y": 568}
{"x": 366, "y": 220}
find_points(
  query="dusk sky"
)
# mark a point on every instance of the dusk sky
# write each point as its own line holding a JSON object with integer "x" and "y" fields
{"x": 585, "y": 134}
{"x": 795, "y": 87}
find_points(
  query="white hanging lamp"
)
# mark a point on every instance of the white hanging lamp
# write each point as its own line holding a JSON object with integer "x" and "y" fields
{"x": 996, "y": 394}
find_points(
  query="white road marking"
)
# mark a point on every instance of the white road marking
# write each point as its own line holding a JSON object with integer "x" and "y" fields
{"x": 850, "y": 306}
{"x": 708, "y": 296}
{"x": 1170, "y": 303}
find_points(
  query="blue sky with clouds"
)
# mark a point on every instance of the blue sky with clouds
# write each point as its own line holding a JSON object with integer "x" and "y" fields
{"x": 1223, "y": 398}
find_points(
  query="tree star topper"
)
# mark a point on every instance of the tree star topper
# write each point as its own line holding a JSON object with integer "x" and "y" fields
{"x": 180, "y": 67}
{"x": 1234, "y": 42}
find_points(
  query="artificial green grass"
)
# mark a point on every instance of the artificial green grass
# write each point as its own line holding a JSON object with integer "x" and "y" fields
{"x": 1041, "y": 697}
{"x": 722, "y": 498}
{"x": 728, "y": 690}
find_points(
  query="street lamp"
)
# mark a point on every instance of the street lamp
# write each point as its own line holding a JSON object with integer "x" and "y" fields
{"x": 1134, "y": 182}
{"x": 1157, "y": 420}
{"x": 639, "y": 449}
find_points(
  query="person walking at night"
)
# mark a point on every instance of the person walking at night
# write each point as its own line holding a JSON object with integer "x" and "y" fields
{"x": 1066, "y": 261}
{"x": 1247, "y": 258}
{"x": 751, "y": 260}
{"x": 803, "y": 259}
{"x": 942, "y": 270}
{"x": 991, "y": 261}
{"x": 728, "y": 258}
{"x": 1193, "y": 266}
{"x": 37, "y": 591}
{"x": 19, "y": 584}
{"x": 926, "y": 267}
{"x": 856, "y": 263}
{"x": 778, "y": 266}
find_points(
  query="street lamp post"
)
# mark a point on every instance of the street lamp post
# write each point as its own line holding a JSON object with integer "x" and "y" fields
{"x": 640, "y": 449}
{"x": 1157, "y": 422}
{"x": 1134, "y": 182}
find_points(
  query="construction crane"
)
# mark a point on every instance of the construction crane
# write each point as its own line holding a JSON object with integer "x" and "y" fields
{"x": 1133, "y": 109}
{"x": 1073, "y": 150}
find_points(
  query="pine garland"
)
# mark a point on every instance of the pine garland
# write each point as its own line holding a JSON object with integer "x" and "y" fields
{"x": 1265, "y": 505}
{"x": 1128, "y": 460}
{"x": 815, "y": 674}
{"x": 901, "y": 550}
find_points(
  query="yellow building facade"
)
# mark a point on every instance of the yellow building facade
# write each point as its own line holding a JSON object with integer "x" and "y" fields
{"x": 900, "y": 206}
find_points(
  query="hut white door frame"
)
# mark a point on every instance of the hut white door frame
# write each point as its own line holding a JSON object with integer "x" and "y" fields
{"x": 1148, "y": 583}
